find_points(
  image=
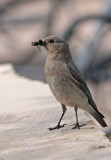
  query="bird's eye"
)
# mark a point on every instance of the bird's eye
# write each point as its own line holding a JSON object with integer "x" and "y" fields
{"x": 51, "y": 41}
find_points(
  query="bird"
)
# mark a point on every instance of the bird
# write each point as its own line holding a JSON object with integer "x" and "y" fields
{"x": 66, "y": 82}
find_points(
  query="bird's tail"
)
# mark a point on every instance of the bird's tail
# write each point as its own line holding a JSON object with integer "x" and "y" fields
{"x": 99, "y": 117}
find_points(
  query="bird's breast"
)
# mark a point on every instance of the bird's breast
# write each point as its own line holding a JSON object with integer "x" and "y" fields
{"x": 62, "y": 85}
{"x": 57, "y": 78}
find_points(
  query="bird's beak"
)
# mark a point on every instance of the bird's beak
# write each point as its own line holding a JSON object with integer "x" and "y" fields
{"x": 39, "y": 43}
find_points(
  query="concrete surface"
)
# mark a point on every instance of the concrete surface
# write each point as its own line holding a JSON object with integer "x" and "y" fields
{"x": 27, "y": 110}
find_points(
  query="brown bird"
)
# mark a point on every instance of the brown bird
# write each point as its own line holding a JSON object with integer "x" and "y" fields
{"x": 66, "y": 81}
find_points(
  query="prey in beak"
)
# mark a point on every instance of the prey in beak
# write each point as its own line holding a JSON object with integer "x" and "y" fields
{"x": 39, "y": 43}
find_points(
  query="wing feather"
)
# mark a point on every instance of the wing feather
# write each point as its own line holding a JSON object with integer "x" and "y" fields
{"x": 79, "y": 79}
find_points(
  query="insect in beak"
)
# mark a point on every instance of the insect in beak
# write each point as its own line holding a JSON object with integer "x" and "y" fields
{"x": 39, "y": 43}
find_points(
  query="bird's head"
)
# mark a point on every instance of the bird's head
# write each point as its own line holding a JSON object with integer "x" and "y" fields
{"x": 55, "y": 46}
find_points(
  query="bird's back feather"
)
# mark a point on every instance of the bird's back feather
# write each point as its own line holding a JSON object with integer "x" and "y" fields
{"x": 79, "y": 79}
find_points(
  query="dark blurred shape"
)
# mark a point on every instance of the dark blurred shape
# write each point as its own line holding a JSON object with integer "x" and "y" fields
{"x": 32, "y": 72}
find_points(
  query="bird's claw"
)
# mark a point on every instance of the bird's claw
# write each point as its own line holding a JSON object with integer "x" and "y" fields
{"x": 57, "y": 127}
{"x": 77, "y": 126}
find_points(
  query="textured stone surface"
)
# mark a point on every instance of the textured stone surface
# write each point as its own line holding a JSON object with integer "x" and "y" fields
{"x": 27, "y": 110}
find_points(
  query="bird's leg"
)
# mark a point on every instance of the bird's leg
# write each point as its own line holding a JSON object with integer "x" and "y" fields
{"x": 58, "y": 125}
{"x": 77, "y": 123}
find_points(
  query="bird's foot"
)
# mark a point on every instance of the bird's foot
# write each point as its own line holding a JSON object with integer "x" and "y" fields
{"x": 57, "y": 127}
{"x": 77, "y": 126}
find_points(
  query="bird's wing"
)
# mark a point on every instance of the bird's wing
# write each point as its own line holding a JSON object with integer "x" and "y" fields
{"x": 79, "y": 79}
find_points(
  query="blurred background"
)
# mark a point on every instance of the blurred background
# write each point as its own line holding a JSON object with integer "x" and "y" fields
{"x": 86, "y": 25}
